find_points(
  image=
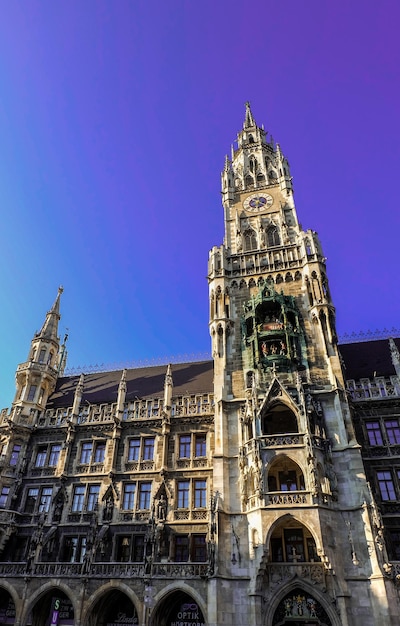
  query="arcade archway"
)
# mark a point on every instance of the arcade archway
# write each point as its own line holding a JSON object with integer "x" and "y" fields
{"x": 7, "y": 608}
{"x": 178, "y": 607}
{"x": 114, "y": 607}
{"x": 54, "y": 607}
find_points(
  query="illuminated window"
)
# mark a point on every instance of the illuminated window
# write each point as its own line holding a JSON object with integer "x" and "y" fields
{"x": 124, "y": 549}
{"x": 130, "y": 548}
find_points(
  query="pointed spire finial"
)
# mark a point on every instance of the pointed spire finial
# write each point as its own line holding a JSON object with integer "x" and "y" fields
{"x": 249, "y": 119}
{"x": 168, "y": 388}
{"x": 78, "y": 395}
{"x": 50, "y": 327}
{"x": 121, "y": 392}
{"x": 394, "y": 351}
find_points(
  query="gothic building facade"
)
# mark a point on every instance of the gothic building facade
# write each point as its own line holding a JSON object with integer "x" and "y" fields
{"x": 258, "y": 488}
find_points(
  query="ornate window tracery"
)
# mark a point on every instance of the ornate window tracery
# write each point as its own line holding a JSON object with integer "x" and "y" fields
{"x": 250, "y": 240}
{"x": 273, "y": 238}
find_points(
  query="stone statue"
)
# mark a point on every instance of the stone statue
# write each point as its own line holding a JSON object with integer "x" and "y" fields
{"x": 162, "y": 508}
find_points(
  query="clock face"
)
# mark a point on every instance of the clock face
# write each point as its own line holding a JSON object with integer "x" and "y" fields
{"x": 257, "y": 202}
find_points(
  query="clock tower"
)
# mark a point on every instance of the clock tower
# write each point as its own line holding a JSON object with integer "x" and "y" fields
{"x": 287, "y": 468}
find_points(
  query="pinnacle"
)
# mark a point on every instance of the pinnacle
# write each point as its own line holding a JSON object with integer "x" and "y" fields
{"x": 249, "y": 119}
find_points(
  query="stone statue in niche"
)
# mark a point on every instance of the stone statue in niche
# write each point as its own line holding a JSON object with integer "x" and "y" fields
{"x": 108, "y": 510}
{"x": 162, "y": 508}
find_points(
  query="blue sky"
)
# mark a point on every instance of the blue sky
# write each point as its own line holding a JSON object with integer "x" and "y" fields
{"x": 114, "y": 121}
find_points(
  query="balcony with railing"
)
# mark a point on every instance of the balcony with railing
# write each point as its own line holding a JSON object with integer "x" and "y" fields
{"x": 89, "y": 468}
{"x": 103, "y": 570}
{"x": 288, "y": 498}
{"x": 191, "y": 515}
{"x": 282, "y": 440}
{"x": 379, "y": 388}
{"x": 315, "y": 573}
{"x": 201, "y": 404}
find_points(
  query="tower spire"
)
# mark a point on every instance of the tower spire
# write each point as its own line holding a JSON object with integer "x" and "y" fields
{"x": 50, "y": 327}
{"x": 249, "y": 120}
{"x": 36, "y": 378}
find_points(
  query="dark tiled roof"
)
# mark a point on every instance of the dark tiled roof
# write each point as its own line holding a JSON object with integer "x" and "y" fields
{"x": 142, "y": 383}
{"x": 368, "y": 359}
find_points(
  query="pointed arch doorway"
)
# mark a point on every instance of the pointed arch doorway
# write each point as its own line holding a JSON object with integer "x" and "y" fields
{"x": 114, "y": 608}
{"x": 53, "y": 607}
{"x": 7, "y": 608}
{"x": 178, "y": 607}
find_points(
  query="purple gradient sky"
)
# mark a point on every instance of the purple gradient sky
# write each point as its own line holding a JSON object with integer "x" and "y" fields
{"x": 114, "y": 121}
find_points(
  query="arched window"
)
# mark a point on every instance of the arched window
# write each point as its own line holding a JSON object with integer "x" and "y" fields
{"x": 292, "y": 542}
{"x": 279, "y": 420}
{"x": 249, "y": 180}
{"x": 273, "y": 236}
{"x": 249, "y": 379}
{"x": 285, "y": 475}
{"x": 250, "y": 240}
{"x": 251, "y": 139}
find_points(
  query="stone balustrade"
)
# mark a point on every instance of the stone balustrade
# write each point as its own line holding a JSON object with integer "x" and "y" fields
{"x": 373, "y": 389}
{"x": 315, "y": 573}
{"x": 104, "y": 570}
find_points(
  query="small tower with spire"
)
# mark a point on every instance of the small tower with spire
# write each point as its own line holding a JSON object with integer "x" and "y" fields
{"x": 36, "y": 378}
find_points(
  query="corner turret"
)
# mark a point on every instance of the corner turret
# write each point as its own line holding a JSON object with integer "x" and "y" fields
{"x": 36, "y": 378}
